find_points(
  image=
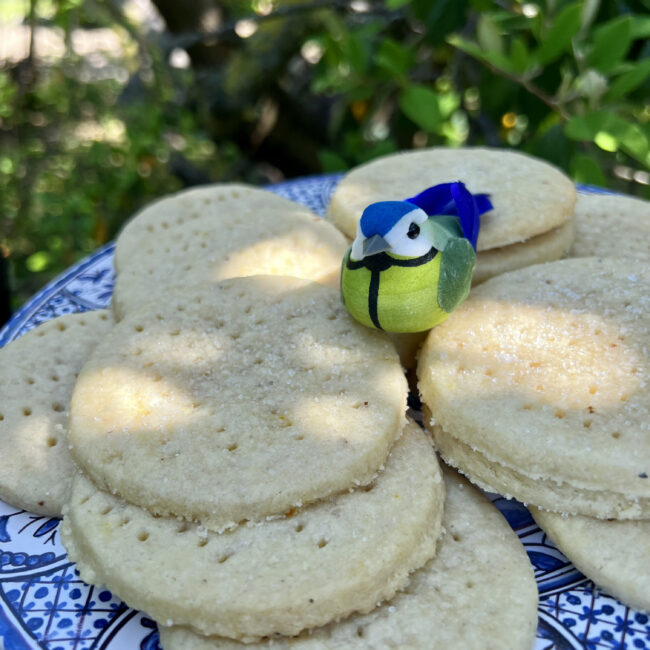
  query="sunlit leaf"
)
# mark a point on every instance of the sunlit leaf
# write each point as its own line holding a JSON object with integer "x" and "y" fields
{"x": 488, "y": 35}
{"x": 610, "y": 132}
{"x": 588, "y": 13}
{"x": 38, "y": 261}
{"x": 492, "y": 58}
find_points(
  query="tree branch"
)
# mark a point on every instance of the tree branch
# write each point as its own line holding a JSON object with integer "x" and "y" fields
{"x": 551, "y": 102}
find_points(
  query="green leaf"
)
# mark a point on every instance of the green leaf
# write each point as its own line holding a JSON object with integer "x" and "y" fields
{"x": 519, "y": 57}
{"x": 584, "y": 169}
{"x": 355, "y": 54}
{"x": 640, "y": 27}
{"x": 488, "y": 35}
{"x": 558, "y": 38}
{"x": 420, "y": 104}
{"x": 396, "y": 4}
{"x": 495, "y": 59}
{"x": 628, "y": 81}
{"x": 584, "y": 128}
{"x": 588, "y": 13}
{"x": 38, "y": 262}
{"x": 610, "y": 132}
{"x": 611, "y": 42}
{"x": 394, "y": 58}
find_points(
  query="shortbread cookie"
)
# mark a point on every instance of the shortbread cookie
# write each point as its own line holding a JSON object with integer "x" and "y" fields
{"x": 540, "y": 377}
{"x": 179, "y": 218}
{"x": 218, "y": 232}
{"x": 237, "y": 401}
{"x": 37, "y": 375}
{"x": 496, "y": 476}
{"x": 614, "y": 554}
{"x": 478, "y": 593}
{"x": 616, "y": 226}
{"x": 530, "y": 197}
{"x": 547, "y": 247}
{"x": 305, "y": 569}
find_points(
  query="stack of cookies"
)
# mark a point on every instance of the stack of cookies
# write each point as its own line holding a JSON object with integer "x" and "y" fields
{"x": 316, "y": 504}
{"x": 533, "y": 201}
{"x": 537, "y": 387}
{"x": 246, "y": 470}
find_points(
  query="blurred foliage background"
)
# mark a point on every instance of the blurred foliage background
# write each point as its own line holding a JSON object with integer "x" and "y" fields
{"x": 106, "y": 104}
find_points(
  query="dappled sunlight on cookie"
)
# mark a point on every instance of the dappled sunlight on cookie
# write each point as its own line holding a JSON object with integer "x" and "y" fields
{"x": 539, "y": 382}
{"x": 219, "y": 232}
{"x": 560, "y": 358}
{"x": 262, "y": 392}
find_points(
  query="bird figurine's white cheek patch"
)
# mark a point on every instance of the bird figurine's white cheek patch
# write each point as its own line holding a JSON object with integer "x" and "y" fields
{"x": 412, "y": 261}
{"x": 407, "y": 238}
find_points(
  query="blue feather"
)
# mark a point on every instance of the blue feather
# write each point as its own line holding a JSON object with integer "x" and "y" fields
{"x": 455, "y": 199}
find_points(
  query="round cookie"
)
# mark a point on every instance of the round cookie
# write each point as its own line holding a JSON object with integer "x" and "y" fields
{"x": 539, "y": 379}
{"x": 178, "y": 218}
{"x": 237, "y": 401}
{"x": 478, "y": 593}
{"x": 37, "y": 375}
{"x": 613, "y": 226}
{"x": 218, "y": 232}
{"x": 547, "y": 247}
{"x": 530, "y": 197}
{"x": 310, "y": 567}
{"x": 614, "y": 554}
{"x": 496, "y": 476}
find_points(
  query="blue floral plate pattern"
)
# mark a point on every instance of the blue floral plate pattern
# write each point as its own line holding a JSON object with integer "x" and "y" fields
{"x": 44, "y": 604}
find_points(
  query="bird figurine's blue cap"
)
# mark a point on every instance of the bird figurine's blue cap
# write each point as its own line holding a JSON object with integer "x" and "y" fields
{"x": 379, "y": 218}
{"x": 412, "y": 261}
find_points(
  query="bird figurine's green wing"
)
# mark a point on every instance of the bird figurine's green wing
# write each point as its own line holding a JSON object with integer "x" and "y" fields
{"x": 456, "y": 270}
{"x": 457, "y": 263}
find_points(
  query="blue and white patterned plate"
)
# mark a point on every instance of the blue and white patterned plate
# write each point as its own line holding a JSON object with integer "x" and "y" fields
{"x": 44, "y": 604}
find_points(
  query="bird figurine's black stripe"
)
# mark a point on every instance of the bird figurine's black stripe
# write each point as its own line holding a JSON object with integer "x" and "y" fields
{"x": 373, "y": 295}
{"x": 383, "y": 261}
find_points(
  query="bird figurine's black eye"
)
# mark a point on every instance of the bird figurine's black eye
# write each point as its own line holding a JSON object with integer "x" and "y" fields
{"x": 414, "y": 231}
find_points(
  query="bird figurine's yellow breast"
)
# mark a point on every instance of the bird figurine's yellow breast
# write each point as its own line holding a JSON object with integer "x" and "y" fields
{"x": 403, "y": 298}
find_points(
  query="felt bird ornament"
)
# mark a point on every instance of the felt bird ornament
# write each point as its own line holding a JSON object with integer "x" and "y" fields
{"x": 412, "y": 261}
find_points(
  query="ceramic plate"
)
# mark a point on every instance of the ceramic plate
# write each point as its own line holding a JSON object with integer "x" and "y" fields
{"x": 44, "y": 604}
